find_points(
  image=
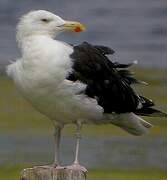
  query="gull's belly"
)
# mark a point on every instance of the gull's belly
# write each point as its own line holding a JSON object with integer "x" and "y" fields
{"x": 53, "y": 104}
{"x": 63, "y": 105}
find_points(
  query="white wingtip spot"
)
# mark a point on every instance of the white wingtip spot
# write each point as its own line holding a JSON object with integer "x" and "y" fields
{"x": 144, "y": 83}
{"x": 135, "y": 62}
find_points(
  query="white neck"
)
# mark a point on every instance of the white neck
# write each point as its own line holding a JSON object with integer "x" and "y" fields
{"x": 22, "y": 38}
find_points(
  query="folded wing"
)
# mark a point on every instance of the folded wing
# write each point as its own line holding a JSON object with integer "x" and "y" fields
{"x": 109, "y": 83}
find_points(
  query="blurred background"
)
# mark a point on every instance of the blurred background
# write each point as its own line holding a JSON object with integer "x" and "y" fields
{"x": 136, "y": 30}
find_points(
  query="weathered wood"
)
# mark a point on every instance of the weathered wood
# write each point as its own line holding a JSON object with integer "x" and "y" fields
{"x": 50, "y": 173}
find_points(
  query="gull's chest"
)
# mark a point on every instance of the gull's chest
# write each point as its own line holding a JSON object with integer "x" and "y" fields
{"x": 46, "y": 64}
{"x": 42, "y": 70}
{"x": 40, "y": 76}
{"x": 48, "y": 61}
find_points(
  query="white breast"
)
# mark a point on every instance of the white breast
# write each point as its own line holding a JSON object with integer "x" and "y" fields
{"x": 40, "y": 76}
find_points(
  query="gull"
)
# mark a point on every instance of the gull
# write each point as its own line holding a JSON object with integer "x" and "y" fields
{"x": 75, "y": 84}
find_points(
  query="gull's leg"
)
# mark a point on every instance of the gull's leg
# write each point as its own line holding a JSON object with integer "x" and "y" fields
{"x": 57, "y": 137}
{"x": 78, "y": 137}
{"x": 76, "y": 164}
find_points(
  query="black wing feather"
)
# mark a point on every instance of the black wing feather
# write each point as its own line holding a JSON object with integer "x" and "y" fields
{"x": 105, "y": 81}
{"x": 104, "y": 50}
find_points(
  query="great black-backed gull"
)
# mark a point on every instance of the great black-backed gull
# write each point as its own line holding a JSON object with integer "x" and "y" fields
{"x": 75, "y": 84}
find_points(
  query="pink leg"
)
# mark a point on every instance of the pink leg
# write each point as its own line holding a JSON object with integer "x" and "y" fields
{"x": 57, "y": 136}
{"x": 76, "y": 165}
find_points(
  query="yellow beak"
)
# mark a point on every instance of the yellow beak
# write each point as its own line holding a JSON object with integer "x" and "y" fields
{"x": 74, "y": 26}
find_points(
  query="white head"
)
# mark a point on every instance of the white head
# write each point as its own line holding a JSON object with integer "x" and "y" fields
{"x": 43, "y": 22}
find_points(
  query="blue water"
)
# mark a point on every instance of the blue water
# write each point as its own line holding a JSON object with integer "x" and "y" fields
{"x": 136, "y": 29}
{"x": 98, "y": 152}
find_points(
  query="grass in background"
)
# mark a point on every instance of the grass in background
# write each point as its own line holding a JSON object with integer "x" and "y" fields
{"x": 13, "y": 173}
{"x": 127, "y": 175}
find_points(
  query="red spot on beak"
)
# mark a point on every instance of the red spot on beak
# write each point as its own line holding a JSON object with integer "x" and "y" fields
{"x": 77, "y": 29}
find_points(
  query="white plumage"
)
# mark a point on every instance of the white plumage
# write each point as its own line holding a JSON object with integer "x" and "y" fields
{"x": 40, "y": 75}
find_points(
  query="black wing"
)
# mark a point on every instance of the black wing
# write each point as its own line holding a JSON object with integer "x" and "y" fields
{"x": 108, "y": 82}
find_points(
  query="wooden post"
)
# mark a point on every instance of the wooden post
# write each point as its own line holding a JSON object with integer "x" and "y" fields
{"x": 50, "y": 173}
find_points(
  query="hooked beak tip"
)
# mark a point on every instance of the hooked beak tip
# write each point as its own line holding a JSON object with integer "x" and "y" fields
{"x": 74, "y": 26}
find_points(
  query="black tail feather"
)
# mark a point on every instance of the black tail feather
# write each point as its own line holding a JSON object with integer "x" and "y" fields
{"x": 151, "y": 112}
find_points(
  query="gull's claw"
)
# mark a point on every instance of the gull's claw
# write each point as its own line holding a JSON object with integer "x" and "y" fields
{"x": 77, "y": 167}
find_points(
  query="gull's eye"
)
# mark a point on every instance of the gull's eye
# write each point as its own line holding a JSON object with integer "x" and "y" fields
{"x": 45, "y": 20}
